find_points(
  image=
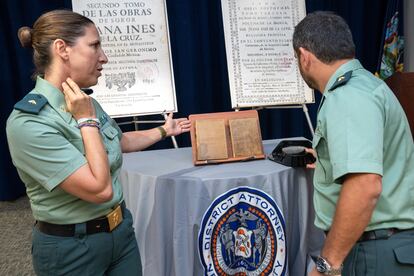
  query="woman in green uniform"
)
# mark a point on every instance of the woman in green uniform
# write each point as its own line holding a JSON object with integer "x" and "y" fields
{"x": 68, "y": 152}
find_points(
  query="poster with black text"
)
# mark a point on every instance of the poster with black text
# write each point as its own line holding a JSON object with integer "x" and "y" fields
{"x": 260, "y": 58}
{"x": 138, "y": 78}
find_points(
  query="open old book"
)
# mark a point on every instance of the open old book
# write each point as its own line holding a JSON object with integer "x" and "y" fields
{"x": 226, "y": 137}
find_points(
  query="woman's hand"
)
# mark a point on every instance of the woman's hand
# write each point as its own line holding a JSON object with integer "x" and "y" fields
{"x": 313, "y": 152}
{"x": 77, "y": 102}
{"x": 175, "y": 127}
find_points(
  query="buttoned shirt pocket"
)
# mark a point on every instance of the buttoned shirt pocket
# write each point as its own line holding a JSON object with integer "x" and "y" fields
{"x": 112, "y": 145}
{"x": 110, "y": 132}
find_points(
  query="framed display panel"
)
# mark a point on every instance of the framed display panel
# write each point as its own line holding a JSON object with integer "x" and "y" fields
{"x": 226, "y": 137}
{"x": 260, "y": 58}
{"x": 138, "y": 79}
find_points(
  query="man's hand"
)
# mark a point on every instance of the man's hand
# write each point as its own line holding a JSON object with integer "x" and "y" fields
{"x": 313, "y": 152}
{"x": 354, "y": 208}
{"x": 314, "y": 272}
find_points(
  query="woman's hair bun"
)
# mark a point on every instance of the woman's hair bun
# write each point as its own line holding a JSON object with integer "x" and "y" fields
{"x": 25, "y": 36}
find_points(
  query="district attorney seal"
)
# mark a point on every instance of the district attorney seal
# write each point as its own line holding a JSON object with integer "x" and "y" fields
{"x": 243, "y": 231}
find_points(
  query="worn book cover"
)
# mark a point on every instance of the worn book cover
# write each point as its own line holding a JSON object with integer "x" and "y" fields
{"x": 245, "y": 138}
{"x": 211, "y": 139}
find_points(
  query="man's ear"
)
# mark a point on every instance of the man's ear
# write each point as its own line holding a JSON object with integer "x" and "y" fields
{"x": 60, "y": 48}
{"x": 304, "y": 57}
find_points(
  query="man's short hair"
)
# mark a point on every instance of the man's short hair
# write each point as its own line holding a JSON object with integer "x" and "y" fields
{"x": 326, "y": 35}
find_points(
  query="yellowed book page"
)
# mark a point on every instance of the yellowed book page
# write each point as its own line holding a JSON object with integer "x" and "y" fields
{"x": 211, "y": 139}
{"x": 245, "y": 137}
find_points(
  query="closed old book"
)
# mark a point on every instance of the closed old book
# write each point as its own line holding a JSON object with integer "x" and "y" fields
{"x": 245, "y": 137}
{"x": 211, "y": 139}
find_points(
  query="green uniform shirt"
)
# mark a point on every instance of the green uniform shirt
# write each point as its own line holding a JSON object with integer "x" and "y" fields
{"x": 47, "y": 147}
{"x": 362, "y": 128}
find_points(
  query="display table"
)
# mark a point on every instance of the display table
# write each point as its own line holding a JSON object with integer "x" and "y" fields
{"x": 168, "y": 198}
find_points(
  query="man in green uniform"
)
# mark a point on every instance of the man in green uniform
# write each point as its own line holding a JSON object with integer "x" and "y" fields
{"x": 364, "y": 173}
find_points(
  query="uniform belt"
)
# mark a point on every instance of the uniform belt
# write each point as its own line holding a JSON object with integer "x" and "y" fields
{"x": 98, "y": 225}
{"x": 379, "y": 234}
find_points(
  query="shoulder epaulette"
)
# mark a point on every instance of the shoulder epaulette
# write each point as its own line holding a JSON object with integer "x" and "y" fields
{"x": 341, "y": 80}
{"x": 31, "y": 103}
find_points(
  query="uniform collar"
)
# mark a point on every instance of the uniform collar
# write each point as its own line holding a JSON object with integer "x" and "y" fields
{"x": 54, "y": 96}
{"x": 351, "y": 65}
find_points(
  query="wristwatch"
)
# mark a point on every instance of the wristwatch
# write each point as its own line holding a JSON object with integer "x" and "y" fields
{"x": 324, "y": 267}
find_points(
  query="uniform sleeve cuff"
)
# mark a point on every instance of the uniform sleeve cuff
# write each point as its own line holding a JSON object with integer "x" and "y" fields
{"x": 64, "y": 173}
{"x": 358, "y": 166}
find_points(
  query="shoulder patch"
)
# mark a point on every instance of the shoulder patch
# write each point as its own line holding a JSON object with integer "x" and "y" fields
{"x": 31, "y": 103}
{"x": 341, "y": 80}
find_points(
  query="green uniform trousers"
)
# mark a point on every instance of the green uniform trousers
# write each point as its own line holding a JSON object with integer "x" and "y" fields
{"x": 382, "y": 257}
{"x": 112, "y": 254}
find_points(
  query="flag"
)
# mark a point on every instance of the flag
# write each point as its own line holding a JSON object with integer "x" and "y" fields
{"x": 391, "y": 54}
